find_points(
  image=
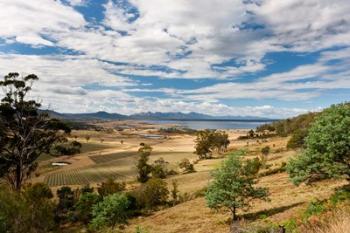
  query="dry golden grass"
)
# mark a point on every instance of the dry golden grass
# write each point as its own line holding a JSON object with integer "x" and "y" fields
{"x": 338, "y": 222}
{"x": 192, "y": 216}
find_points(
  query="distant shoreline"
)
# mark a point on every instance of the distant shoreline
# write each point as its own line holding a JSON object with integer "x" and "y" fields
{"x": 199, "y": 124}
{"x": 233, "y": 120}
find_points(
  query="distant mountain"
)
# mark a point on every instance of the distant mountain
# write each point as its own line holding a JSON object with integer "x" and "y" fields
{"x": 148, "y": 116}
{"x": 170, "y": 116}
{"x": 87, "y": 116}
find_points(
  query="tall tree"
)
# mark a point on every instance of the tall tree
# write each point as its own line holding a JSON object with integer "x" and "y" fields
{"x": 234, "y": 183}
{"x": 143, "y": 168}
{"x": 26, "y": 132}
{"x": 327, "y": 153}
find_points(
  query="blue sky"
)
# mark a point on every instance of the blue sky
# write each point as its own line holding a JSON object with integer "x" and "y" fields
{"x": 221, "y": 57}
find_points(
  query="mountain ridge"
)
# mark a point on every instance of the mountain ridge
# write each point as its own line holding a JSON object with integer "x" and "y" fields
{"x": 103, "y": 115}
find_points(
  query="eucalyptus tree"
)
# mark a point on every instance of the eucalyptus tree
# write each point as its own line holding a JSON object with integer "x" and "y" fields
{"x": 26, "y": 132}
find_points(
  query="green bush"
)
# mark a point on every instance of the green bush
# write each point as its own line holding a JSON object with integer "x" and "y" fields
{"x": 327, "y": 152}
{"x": 38, "y": 191}
{"x": 291, "y": 226}
{"x": 83, "y": 207}
{"x": 298, "y": 139}
{"x": 66, "y": 202}
{"x": 113, "y": 210}
{"x": 110, "y": 187}
{"x": 314, "y": 208}
{"x": 27, "y": 212}
{"x": 153, "y": 193}
{"x": 159, "y": 169}
{"x": 289, "y": 126}
{"x": 69, "y": 148}
{"x": 340, "y": 195}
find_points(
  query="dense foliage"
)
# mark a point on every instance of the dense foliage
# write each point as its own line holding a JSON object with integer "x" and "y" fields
{"x": 110, "y": 187}
{"x": 30, "y": 211}
{"x": 151, "y": 194}
{"x": 297, "y": 139}
{"x": 208, "y": 141}
{"x": 83, "y": 207}
{"x": 290, "y": 125}
{"x": 234, "y": 183}
{"x": 159, "y": 168}
{"x": 68, "y": 148}
{"x": 111, "y": 211}
{"x": 327, "y": 152}
{"x": 297, "y": 127}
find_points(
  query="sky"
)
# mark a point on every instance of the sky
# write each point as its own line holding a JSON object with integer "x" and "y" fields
{"x": 268, "y": 58}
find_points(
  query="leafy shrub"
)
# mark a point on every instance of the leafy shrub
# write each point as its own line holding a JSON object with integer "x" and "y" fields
{"x": 66, "y": 202}
{"x": 291, "y": 225}
{"x": 298, "y": 139}
{"x": 340, "y": 195}
{"x": 134, "y": 208}
{"x": 83, "y": 207}
{"x": 110, "y": 187}
{"x": 70, "y": 148}
{"x": 38, "y": 191}
{"x": 314, "y": 208}
{"x": 113, "y": 210}
{"x": 159, "y": 169}
{"x": 153, "y": 193}
{"x": 186, "y": 165}
{"x": 327, "y": 152}
{"x": 27, "y": 212}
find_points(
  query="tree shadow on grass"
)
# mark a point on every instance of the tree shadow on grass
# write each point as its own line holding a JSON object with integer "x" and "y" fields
{"x": 269, "y": 212}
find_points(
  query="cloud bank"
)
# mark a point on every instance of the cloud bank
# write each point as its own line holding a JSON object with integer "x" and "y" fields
{"x": 104, "y": 55}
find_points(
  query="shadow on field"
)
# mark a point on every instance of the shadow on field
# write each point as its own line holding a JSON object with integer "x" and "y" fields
{"x": 269, "y": 212}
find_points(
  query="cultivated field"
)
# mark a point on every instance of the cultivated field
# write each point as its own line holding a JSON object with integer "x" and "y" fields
{"x": 116, "y": 155}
